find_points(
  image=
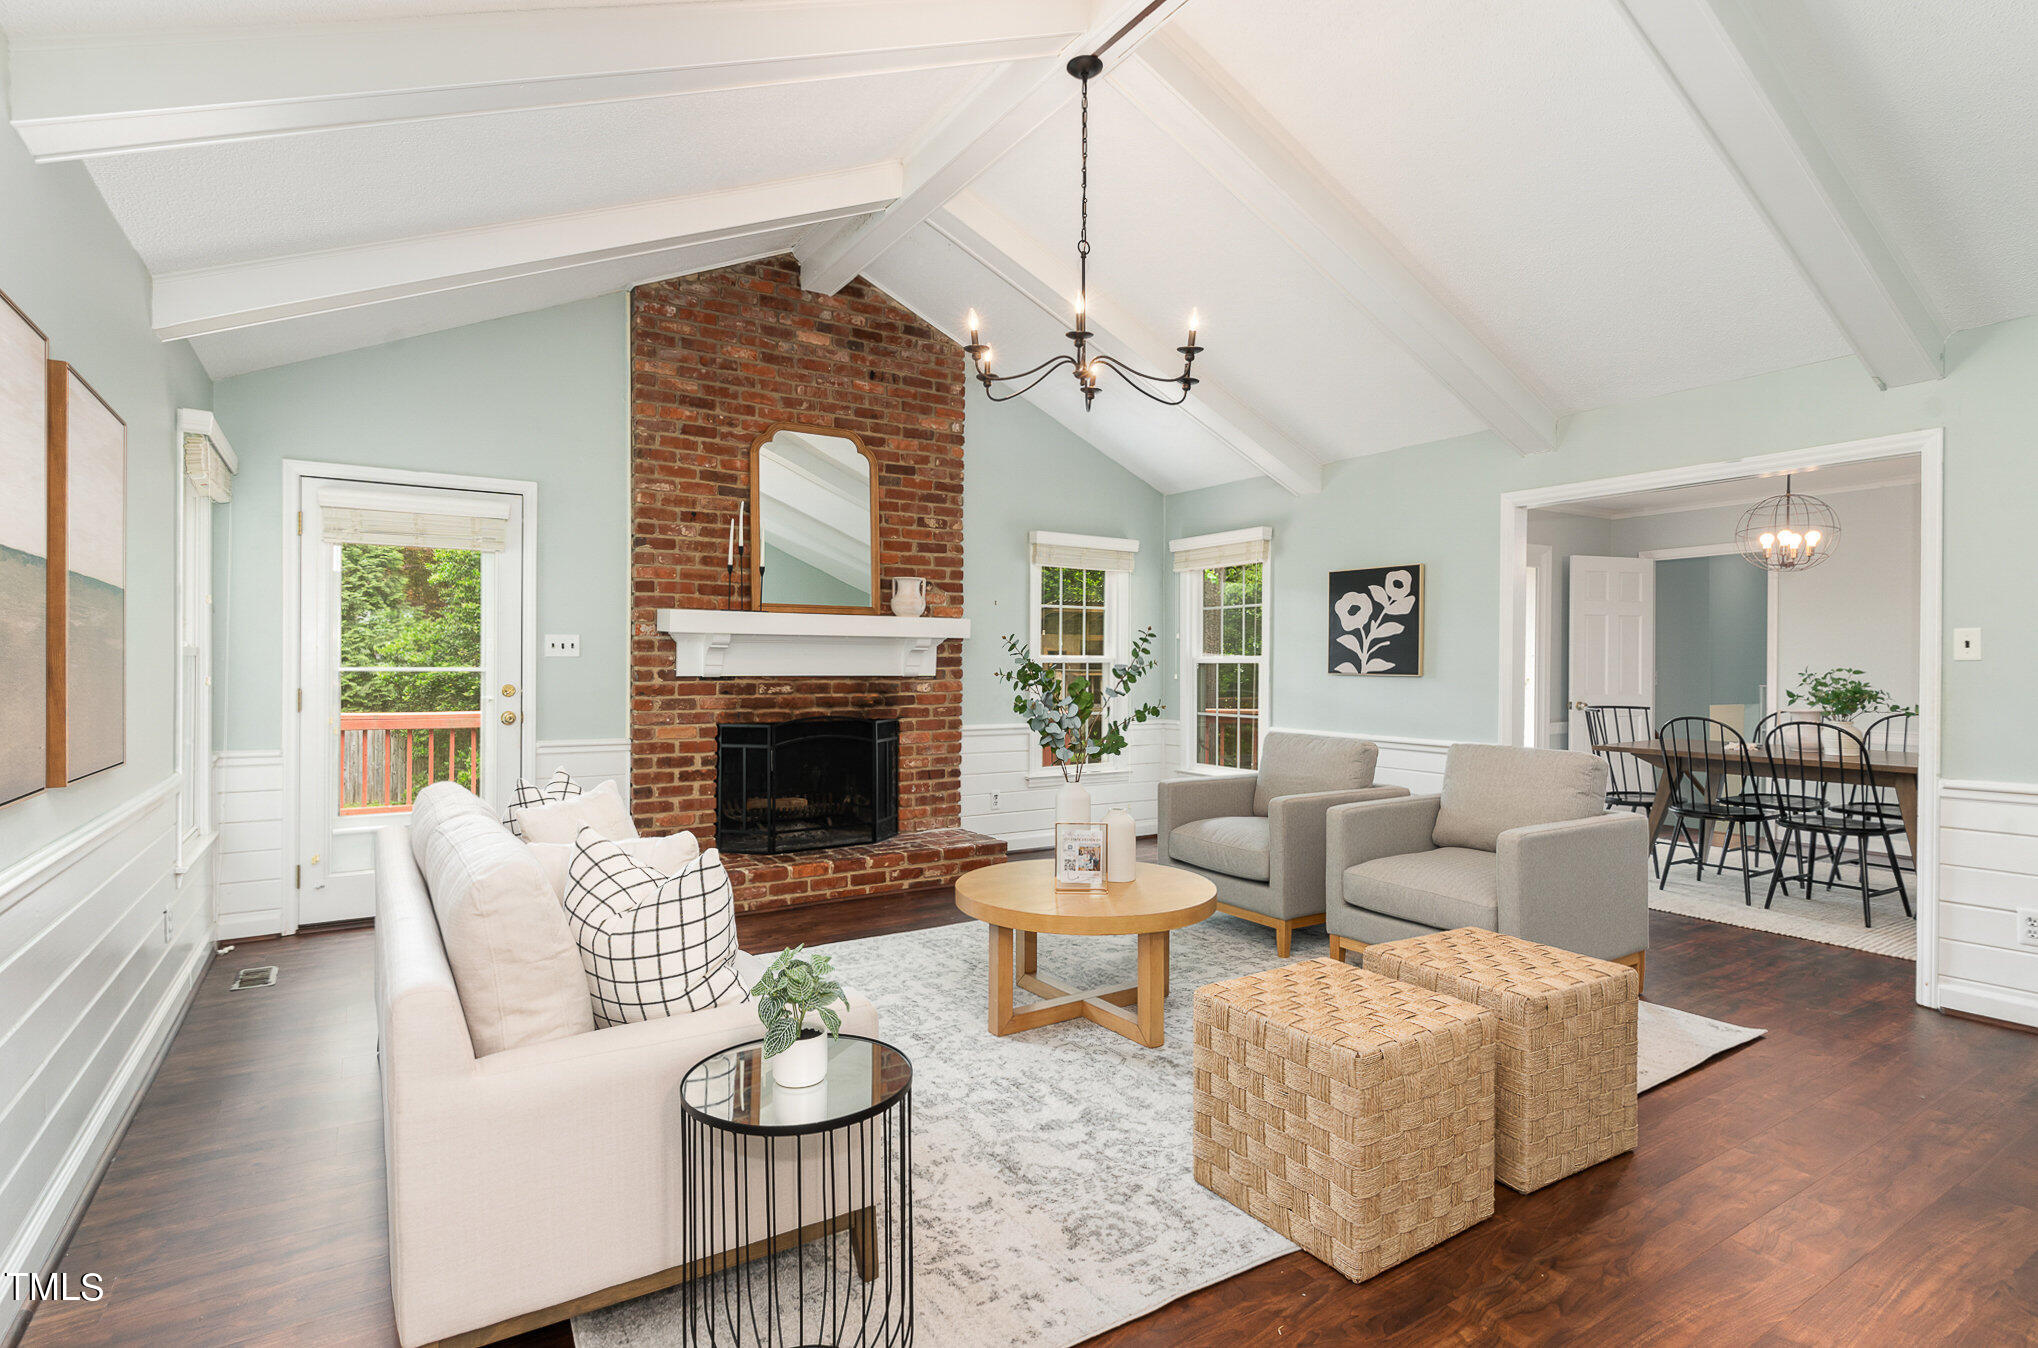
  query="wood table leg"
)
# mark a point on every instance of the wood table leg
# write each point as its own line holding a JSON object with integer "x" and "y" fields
{"x": 1029, "y": 952}
{"x": 1659, "y": 806}
{"x": 1153, "y": 974}
{"x": 1907, "y": 805}
{"x": 1001, "y": 979}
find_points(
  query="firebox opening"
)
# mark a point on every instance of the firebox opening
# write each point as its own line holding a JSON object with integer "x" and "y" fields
{"x": 797, "y": 786}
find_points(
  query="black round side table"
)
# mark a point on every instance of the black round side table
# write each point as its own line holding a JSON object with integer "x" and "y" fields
{"x": 798, "y": 1216}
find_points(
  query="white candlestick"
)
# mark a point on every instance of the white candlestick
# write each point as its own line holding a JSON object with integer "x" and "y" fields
{"x": 732, "y": 543}
{"x": 742, "y": 535}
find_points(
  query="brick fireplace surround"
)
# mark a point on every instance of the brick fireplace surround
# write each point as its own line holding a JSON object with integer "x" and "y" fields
{"x": 716, "y": 359}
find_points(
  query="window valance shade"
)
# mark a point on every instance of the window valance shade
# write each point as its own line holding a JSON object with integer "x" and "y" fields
{"x": 1082, "y": 552}
{"x": 397, "y": 520}
{"x": 206, "y": 469}
{"x": 1240, "y": 547}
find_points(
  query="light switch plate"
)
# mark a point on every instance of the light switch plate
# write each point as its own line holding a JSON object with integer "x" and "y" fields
{"x": 1967, "y": 643}
{"x": 562, "y": 645}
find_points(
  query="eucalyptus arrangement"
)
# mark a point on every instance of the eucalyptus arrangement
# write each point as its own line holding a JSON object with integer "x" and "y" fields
{"x": 793, "y": 986}
{"x": 1071, "y": 719}
{"x": 1842, "y": 694}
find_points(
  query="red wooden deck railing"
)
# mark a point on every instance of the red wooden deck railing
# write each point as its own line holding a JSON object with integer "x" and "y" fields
{"x": 386, "y": 757}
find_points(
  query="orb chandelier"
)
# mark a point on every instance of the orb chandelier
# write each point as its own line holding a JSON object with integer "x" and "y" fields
{"x": 1087, "y": 365}
{"x": 1791, "y": 532}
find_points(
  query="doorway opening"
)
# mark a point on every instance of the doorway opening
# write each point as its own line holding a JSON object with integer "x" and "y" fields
{"x": 1656, "y": 611}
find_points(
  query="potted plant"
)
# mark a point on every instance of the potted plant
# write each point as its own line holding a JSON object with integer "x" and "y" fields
{"x": 1072, "y": 719}
{"x": 1839, "y": 695}
{"x": 793, "y": 986}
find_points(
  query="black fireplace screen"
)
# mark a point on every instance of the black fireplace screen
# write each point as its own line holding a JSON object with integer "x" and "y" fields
{"x": 800, "y": 785}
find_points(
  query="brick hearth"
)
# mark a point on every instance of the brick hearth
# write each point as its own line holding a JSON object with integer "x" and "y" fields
{"x": 716, "y": 360}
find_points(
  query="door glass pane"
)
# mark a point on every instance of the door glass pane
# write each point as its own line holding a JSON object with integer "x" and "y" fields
{"x": 410, "y": 674}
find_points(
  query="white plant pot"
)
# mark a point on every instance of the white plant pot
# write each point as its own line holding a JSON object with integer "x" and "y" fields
{"x": 805, "y": 1063}
{"x": 1072, "y": 804}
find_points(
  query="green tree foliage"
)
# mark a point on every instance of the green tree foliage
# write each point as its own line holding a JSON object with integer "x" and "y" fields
{"x": 409, "y": 606}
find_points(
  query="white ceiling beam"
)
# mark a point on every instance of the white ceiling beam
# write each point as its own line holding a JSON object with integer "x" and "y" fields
{"x": 972, "y": 138}
{"x": 1175, "y": 85}
{"x": 219, "y": 299}
{"x": 1717, "y": 62}
{"x": 1049, "y": 282}
{"x": 77, "y": 97}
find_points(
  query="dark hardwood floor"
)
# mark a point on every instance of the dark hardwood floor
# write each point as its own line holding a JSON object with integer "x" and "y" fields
{"x": 1866, "y": 1174}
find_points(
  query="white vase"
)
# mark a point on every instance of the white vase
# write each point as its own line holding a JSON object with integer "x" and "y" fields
{"x": 1121, "y": 846}
{"x": 1072, "y": 804}
{"x": 909, "y": 596}
{"x": 805, "y": 1063}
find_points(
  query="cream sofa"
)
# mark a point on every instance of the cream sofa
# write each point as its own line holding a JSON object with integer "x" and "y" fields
{"x": 529, "y": 1184}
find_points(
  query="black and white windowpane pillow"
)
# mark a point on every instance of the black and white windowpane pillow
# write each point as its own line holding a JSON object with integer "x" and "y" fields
{"x": 652, "y": 944}
{"x": 528, "y": 794}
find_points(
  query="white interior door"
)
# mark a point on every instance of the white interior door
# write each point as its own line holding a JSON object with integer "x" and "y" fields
{"x": 411, "y": 618}
{"x": 1613, "y": 636}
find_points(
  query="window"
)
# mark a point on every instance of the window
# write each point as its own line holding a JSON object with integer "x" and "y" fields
{"x": 1081, "y": 606}
{"x": 1224, "y": 666}
{"x": 208, "y": 466}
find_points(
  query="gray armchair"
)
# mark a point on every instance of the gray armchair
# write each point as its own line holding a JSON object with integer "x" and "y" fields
{"x": 1520, "y": 841}
{"x": 1259, "y": 838}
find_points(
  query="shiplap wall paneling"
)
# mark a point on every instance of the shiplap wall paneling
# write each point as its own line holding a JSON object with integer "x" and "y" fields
{"x": 1988, "y": 874}
{"x": 1007, "y": 794}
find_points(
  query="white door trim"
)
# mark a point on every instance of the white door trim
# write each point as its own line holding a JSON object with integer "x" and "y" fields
{"x": 294, "y": 473}
{"x": 1772, "y": 695}
{"x": 1542, "y": 558}
{"x": 1929, "y": 445}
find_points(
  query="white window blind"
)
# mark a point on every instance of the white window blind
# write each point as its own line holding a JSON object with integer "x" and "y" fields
{"x": 395, "y": 520}
{"x": 1240, "y": 547}
{"x": 206, "y": 469}
{"x": 1082, "y": 552}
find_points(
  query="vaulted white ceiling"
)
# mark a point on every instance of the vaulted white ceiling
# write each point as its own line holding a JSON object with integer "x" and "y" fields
{"x": 1401, "y": 222}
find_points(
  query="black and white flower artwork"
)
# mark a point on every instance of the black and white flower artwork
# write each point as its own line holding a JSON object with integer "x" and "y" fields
{"x": 1376, "y": 620}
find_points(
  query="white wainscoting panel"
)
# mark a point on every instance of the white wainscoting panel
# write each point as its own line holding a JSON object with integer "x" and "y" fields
{"x": 250, "y": 847}
{"x": 101, "y": 946}
{"x": 1988, "y": 871}
{"x": 590, "y": 761}
{"x": 1006, "y": 794}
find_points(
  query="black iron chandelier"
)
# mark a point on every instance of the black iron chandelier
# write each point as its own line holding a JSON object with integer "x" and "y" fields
{"x": 1088, "y": 366}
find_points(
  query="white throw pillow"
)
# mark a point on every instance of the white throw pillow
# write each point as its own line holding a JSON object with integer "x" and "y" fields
{"x": 528, "y": 795}
{"x": 512, "y": 952}
{"x": 665, "y": 855}
{"x": 651, "y": 944}
{"x": 601, "y": 809}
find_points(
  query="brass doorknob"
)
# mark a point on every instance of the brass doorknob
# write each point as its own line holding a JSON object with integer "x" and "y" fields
{"x": 509, "y": 690}
{"x": 509, "y": 718}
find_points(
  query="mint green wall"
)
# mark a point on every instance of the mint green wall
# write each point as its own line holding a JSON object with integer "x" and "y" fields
{"x": 70, "y": 269}
{"x": 540, "y": 396}
{"x": 788, "y": 580}
{"x": 1712, "y": 636}
{"x": 1022, "y": 470}
{"x": 1438, "y": 504}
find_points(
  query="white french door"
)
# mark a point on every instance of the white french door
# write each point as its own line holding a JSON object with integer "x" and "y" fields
{"x": 410, "y": 668}
{"x": 1613, "y": 636}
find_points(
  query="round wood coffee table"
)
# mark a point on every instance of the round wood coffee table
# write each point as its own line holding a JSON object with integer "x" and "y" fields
{"x": 1018, "y": 901}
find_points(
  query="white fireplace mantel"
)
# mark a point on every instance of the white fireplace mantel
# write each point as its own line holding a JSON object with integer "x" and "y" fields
{"x": 732, "y": 643}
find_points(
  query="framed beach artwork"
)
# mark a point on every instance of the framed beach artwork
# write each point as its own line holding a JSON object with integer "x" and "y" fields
{"x": 24, "y": 554}
{"x": 1376, "y": 620}
{"x": 87, "y": 580}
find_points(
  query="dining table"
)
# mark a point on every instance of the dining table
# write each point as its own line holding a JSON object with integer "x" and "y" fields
{"x": 1895, "y": 769}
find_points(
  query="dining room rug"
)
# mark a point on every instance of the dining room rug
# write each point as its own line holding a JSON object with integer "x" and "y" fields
{"x": 1829, "y": 916}
{"x": 1052, "y": 1187}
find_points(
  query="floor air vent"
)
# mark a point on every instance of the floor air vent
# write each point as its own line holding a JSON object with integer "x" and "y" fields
{"x": 261, "y": 976}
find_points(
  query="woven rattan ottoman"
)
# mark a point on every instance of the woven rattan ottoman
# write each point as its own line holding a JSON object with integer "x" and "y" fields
{"x": 1349, "y": 1112}
{"x": 1566, "y": 1062}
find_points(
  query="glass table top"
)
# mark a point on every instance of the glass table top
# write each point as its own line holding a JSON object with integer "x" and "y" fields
{"x": 735, "y": 1090}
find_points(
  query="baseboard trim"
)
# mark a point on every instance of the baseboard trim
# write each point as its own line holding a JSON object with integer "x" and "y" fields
{"x": 2009, "y": 1005}
{"x": 101, "y": 1135}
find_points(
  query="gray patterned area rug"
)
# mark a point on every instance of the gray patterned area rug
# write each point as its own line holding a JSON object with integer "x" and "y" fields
{"x": 1052, "y": 1187}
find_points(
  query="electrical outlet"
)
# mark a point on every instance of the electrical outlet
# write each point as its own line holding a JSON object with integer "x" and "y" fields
{"x": 1967, "y": 643}
{"x": 167, "y": 931}
{"x": 2027, "y": 926}
{"x": 562, "y": 645}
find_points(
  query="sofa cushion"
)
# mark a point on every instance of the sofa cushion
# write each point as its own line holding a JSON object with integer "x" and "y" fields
{"x": 651, "y": 944}
{"x": 1491, "y": 788}
{"x": 601, "y": 809}
{"x": 1446, "y": 887}
{"x": 1295, "y": 765}
{"x": 665, "y": 854}
{"x": 434, "y": 806}
{"x": 1231, "y": 845}
{"x": 528, "y": 795}
{"x": 513, "y": 958}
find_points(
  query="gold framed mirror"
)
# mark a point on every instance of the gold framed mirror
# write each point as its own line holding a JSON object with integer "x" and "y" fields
{"x": 813, "y": 521}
